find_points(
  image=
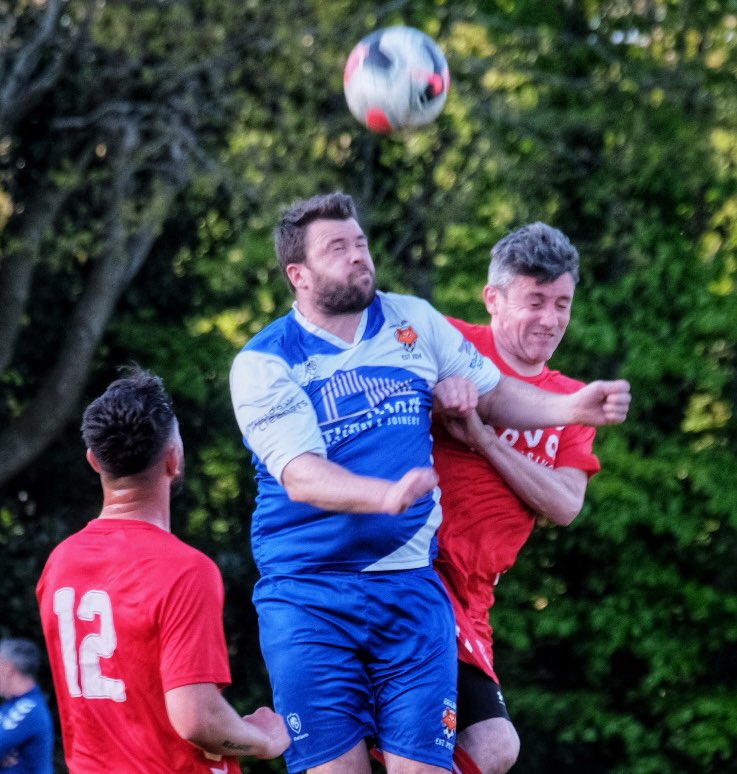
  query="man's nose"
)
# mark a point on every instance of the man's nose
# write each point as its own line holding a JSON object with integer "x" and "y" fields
{"x": 358, "y": 255}
{"x": 548, "y": 317}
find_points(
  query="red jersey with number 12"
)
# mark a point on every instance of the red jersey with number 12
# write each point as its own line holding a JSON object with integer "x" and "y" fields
{"x": 130, "y": 612}
{"x": 484, "y": 523}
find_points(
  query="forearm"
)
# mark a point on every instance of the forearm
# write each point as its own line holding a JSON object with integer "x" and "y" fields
{"x": 226, "y": 733}
{"x": 312, "y": 479}
{"x": 513, "y": 403}
{"x": 557, "y": 494}
{"x": 203, "y": 717}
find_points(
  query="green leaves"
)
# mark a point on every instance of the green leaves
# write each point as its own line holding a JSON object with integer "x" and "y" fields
{"x": 170, "y": 134}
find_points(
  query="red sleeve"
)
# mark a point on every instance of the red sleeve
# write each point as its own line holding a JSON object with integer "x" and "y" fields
{"x": 576, "y": 450}
{"x": 192, "y": 638}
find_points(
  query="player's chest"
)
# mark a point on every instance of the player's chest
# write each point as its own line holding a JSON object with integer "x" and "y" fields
{"x": 401, "y": 348}
{"x": 540, "y": 445}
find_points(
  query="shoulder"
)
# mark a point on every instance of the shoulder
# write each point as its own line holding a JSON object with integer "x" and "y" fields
{"x": 470, "y": 330}
{"x": 183, "y": 572}
{"x": 400, "y": 303}
{"x": 60, "y": 551}
{"x": 273, "y": 338}
{"x": 272, "y": 348}
{"x": 41, "y": 707}
{"x": 187, "y": 557}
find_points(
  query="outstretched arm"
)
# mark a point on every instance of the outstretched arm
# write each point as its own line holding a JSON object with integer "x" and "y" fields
{"x": 514, "y": 403}
{"x": 313, "y": 479}
{"x": 201, "y": 715}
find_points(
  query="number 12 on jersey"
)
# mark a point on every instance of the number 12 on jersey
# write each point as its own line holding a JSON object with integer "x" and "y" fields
{"x": 82, "y": 665}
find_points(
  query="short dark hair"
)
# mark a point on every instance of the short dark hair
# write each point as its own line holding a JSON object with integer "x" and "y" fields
{"x": 24, "y": 655}
{"x": 128, "y": 426}
{"x": 289, "y": 233}
{"x": 536, "y": 250}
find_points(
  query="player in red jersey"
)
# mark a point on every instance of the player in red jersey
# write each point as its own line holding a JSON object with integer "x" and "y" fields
{"x": 132, "y": 616}
{"x": 491, "y": 495}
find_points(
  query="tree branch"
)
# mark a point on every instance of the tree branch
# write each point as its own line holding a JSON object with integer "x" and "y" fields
{"x": 19, "y": 90}
{"x": 123, "y": 255}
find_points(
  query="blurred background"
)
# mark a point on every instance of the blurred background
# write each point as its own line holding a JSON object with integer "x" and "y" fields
{"x": 146, "y": 148}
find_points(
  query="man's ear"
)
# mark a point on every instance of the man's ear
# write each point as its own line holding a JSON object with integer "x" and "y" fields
{"x": 94, "y": 462}
{"x": 173, "y": 460}
{"x": 490, "y": 295}
{"x": 297, "y": 274}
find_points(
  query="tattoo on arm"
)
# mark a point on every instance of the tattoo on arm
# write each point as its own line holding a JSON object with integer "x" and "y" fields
{"x": 240, "y": 749}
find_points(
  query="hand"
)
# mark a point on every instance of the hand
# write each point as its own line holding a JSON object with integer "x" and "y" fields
{"x": 603, "y": 403}
{"x": 455, "y": 397}
{"x": 10, "y": 760}
{"x": 469, "y": 430}
{"x": 273, "y": 727}
{"x": 414, "y": 484}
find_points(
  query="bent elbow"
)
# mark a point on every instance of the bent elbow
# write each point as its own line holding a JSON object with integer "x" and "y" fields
{"x": 297, "y": 493}
{"x": 197, "y": 725}
{"x": 567, "y": 518}
{"x": 565, "y": 515}
{"x": 192, "y": 729}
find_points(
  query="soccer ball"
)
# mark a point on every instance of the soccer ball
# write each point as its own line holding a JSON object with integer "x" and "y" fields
{"x": 396, "y": 77}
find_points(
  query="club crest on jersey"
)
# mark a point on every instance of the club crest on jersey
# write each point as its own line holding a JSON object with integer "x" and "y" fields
{"x": 294, "y": 722}
{"x": 449, "y": 722}
{"x": 406, "y": 335}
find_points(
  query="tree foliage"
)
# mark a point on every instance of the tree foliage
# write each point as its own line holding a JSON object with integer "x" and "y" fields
{"x": 145, "y": 149}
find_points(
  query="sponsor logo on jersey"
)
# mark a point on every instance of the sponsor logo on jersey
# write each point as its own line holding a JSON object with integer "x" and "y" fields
{"x": 275, "y": 413}
{"x": 539, "y": 445}
{"x": 349, "y": 394}
{"x": 475, "y": 358}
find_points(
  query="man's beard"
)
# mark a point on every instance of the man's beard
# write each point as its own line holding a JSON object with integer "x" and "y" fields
{"x": 345, "y": 298}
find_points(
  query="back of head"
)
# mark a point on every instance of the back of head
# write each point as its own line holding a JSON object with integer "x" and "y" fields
{"x": 24, "y": 655}
{"x": 128, "y": 426}
{"x": 536, "y": 250}
{"x": 289, "y": 233}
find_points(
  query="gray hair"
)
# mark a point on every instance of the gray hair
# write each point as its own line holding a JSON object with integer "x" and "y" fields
{"x": 536, "y": 250}
{"x": 24, "y": 655}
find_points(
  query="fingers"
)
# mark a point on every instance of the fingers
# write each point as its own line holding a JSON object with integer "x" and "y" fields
{"x": 272, "y": 726}
{"x": 414, "y": 484}
{"x": 617, "y": 401}
{"x": 455, "y": 396}
{"x": 420, "y": 481}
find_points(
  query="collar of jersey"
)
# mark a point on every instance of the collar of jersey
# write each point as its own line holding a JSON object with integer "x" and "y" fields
{"x": 336, "y": 341}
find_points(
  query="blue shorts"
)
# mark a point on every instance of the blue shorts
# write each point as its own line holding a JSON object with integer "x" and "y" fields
{"x": 356, "y": 655}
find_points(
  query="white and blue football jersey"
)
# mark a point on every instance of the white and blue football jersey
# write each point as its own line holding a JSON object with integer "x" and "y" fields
{"x": 364, "y": 405}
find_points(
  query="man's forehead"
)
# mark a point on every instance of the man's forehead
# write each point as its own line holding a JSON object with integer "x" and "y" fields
{"x": 562, "y": 286}
{"x": 326, "y": 229}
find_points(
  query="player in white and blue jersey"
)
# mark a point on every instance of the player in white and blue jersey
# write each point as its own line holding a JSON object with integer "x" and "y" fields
{"x": 334, "y": 401}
